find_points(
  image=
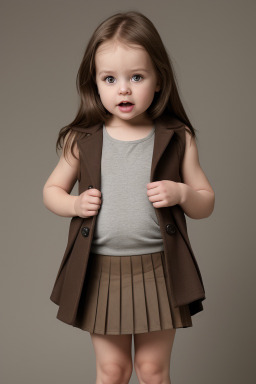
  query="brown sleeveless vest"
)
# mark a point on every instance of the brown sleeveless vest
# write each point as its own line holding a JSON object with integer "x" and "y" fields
{"x": 182, "y": 272}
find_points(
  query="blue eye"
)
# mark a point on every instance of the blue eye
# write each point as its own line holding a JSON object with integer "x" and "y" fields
{"x": 107, "y": 78}
{"x": 138, "y": 76}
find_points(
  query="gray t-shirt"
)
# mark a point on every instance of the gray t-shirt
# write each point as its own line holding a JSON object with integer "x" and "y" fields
{"x": 126, "y": 222}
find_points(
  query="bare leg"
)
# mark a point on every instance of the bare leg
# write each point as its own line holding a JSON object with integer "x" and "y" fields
{"x": 113, "y": 358}
{"x": 152, "y": 356}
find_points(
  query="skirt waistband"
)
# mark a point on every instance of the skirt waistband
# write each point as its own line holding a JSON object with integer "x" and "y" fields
{"x": 143, "y": 254}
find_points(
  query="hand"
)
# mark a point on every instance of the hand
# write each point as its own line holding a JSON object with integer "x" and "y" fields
{"x": 88, "y": 203}
{"x": 164, "y": 193}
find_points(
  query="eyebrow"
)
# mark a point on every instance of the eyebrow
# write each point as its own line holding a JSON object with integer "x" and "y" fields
{"x": 132, "y": 70}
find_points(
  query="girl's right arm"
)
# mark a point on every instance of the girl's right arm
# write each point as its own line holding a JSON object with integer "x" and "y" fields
{"x": 56, "y": 191}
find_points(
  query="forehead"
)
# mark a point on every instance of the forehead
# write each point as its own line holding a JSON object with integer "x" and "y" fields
{"x": 113, "y": 54}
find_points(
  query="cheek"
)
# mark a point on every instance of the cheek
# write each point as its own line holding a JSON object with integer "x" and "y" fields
{"x": 105, "y": 95}
{"x": 146, "y": 94}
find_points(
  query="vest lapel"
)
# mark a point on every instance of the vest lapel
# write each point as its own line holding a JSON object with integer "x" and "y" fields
{"x": 91, "y": 147}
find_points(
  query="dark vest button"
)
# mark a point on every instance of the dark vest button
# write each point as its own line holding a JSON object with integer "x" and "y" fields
{"x": 170, "y": 229}
{"x": 90, "y": 186}
{"x": 85, "y": 231}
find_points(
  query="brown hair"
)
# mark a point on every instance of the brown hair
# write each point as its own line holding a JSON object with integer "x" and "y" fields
{"x": 130, "y": 28}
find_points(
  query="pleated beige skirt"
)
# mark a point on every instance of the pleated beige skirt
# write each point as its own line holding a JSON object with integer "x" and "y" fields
{"x": 128, "y": 295}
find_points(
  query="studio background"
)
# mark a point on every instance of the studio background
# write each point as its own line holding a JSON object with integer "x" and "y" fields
{"x": 213, "y": 51}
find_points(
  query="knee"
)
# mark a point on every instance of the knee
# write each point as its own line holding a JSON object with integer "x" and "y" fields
{"x": 115, "y": 373}
{"x": 151, "y": 372}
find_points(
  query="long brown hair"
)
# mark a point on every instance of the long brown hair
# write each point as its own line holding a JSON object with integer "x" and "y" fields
{"x": 130, "y": 28}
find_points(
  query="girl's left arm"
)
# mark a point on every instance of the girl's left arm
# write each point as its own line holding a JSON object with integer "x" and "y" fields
{"x": 197, "y": 197}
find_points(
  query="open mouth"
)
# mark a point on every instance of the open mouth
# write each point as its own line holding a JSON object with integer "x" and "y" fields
{"x": 125, "y": 104}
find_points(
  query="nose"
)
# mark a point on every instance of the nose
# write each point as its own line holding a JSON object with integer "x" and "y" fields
{"x": 124, "y": 88}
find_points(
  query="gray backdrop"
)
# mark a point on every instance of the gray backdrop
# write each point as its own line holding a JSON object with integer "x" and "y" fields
{"x": 213, "y": 51}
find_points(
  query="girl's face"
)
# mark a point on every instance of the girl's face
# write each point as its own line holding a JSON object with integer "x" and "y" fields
{"x": 125, "y": 73}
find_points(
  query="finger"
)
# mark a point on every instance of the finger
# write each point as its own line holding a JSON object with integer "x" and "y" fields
{"x": 94, "y": 200}
{"x": 93, "y": 207}
{"x": 94, "y": 192}
{"x": 157, "y": 204}
{"x": 155, "y": 198}
{"x": 153, "y": 192}
{"x": 154, "y": 184}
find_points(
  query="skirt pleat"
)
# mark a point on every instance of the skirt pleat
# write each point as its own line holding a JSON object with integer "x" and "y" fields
{"x": 128, "y": 295}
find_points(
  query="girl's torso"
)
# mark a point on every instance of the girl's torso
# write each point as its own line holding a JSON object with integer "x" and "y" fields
{"x": 126, "y": 222}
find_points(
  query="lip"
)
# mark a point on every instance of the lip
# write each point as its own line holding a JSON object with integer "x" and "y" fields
{"x": 126, "y": 109}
